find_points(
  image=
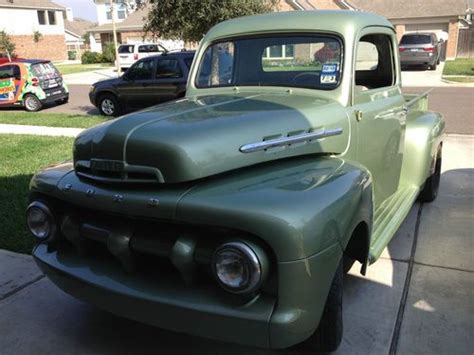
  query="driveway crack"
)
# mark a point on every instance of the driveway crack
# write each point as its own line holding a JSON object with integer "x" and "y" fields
{"x": 406, "y": 287}
{"x": 19, "y": 288}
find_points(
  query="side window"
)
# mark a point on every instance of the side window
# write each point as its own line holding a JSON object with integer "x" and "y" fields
{"x": 374, "y": 62}
{"x": 141, "y": 71}
{"x": 6, "y": 72}
{"x": 168, "y": 68}
{"x": 142, "y": 49}
{"x": 188, "y": 62}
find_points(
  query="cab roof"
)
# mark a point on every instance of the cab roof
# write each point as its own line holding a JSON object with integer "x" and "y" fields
{"x": 335, "y": 21}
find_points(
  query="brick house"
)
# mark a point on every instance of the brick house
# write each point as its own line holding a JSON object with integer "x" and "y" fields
{"x": 22, "y": 19}
{"x": 444, "y": 17}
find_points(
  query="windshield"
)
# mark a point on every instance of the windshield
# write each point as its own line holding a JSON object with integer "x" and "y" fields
{"x": 292, "y": 61}
{"x": 416, "y": 39}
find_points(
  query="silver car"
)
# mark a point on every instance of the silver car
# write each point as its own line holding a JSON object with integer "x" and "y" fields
{"x": 420, "y": 49}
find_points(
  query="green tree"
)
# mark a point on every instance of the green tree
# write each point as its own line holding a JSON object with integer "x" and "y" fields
{"x": 189, "y": 20}
{"x": 6, "y": 43}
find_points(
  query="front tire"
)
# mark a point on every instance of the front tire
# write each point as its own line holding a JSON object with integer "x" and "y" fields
{"x": 108, "y": 105}
{"x": 431, "y": 186}
{"x": 328, "y": 335}
{"x": 32, "y": 103}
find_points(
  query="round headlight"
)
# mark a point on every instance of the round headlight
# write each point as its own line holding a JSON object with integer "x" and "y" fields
{"x": 237, "y": 268}
{"x": 40, "y": 221}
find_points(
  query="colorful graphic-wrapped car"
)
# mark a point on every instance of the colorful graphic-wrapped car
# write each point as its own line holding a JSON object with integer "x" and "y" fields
{"x": 32, "y": 84}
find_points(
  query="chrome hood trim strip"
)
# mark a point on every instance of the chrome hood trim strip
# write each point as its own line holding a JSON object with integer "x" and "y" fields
{"x": 283, "y": 141}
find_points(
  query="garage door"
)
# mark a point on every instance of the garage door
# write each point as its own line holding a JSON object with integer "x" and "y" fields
{"x": 441, "y": 29}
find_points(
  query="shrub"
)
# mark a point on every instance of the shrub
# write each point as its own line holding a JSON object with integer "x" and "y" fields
{"x": 71, "y": 55}
{"x": 89, "y": 57}
{"x": 108, "y": 53}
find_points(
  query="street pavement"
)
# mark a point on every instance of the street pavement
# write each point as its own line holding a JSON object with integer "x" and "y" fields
{"x": 418, "y": 298}
{"x": 455, "y": 103}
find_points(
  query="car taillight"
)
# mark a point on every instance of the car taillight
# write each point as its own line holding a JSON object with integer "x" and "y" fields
{"x": 428, "y": 49}
{"x": 135, "y": 56}
{"x": 35, "y": 81}
{"x": 402, "y": 49}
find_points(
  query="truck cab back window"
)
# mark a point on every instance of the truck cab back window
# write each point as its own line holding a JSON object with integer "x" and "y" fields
{"x": 374, "y": 62}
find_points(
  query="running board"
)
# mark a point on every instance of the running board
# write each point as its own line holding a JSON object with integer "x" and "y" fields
{"x": 389, "y": 217}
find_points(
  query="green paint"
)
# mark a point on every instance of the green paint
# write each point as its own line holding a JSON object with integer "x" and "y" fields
{"x": 300, "y": 202}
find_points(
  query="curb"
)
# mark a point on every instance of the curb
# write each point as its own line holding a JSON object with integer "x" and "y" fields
{"x": 39, "y": 130}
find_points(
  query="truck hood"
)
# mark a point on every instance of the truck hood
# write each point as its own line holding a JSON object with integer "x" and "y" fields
{"x": 202, "y": 136}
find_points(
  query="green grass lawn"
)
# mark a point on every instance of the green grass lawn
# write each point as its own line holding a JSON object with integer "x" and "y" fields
{"x": 50, "y": 119}
{"x": 21, "y": 157}
{"x": 460, "y": 79}
{"x": 459, "y": 67}
{"x": 80, "y": 68}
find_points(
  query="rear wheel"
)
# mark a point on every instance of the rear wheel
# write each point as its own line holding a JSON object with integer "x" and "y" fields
{"x": 32, "y": 103}
{"x": 431, "y": 187}
{"x": 433, "y": 66}
{"x": 108, "y": 105}
{"x": 328, "y": 336}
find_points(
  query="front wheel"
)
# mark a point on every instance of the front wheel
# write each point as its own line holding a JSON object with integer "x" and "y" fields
{"x": 32, "y": 103}
{"x": 328, "y": 335}
{"x": 431, "y": 186}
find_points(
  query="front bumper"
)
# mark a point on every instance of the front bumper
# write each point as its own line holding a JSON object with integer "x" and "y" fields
{"x": 162, "y": 303}
{"x": 200, "y": 311}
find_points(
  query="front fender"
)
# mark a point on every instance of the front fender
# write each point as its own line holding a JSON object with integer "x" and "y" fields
{"x": 298, "y": 207}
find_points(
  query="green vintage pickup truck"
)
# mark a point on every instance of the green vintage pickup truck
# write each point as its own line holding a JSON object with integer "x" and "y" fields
{"x": 234, "y": 212}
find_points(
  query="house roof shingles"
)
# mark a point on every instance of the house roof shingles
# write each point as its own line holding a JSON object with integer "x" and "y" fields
{"x": 78, "y": 27}
{"x": 412, "y": 8}
{"x": 134, "y": 22}
{"x": 31, "y": 4}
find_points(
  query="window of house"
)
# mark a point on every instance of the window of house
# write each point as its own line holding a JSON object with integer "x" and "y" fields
{"x": 168, "y": 68}
{"x": 374, "y": 62}
{"x": 52, "y": 17}
{"x": 42, "y": 17}
{"x": 120, "y": 10}
{"x": 285, "y": 51}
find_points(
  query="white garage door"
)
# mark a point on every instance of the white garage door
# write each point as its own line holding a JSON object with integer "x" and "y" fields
{"x": 441, "y": 29}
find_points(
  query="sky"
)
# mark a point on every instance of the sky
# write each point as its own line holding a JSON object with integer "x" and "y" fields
{"x": 80, "y": 8}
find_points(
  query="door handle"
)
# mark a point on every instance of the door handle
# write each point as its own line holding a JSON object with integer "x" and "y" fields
{"x": 359, "y": 115}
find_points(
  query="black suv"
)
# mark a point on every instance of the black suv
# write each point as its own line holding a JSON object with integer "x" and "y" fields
{"x": 420, "y": 49}
{"x": 148, "y": 82}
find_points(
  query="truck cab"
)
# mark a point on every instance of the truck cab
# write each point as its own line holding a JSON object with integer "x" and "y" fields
{"x": 234, "y": 212}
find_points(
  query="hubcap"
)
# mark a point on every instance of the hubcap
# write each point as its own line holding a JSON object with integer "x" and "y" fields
{"x": 107, "y": 107}
{"x": 31, "y": 103}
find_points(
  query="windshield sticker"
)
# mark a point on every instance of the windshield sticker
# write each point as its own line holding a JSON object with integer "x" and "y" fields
{"x": 328, "y": 79}
{"x": 7, "y": 89}
{"x": 330, "y": 68}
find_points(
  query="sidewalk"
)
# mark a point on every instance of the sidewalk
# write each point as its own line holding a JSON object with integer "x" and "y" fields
{"x": 39, "y": 130}
{"x": 418, "y": 298}
{"x": 90, "y": 77}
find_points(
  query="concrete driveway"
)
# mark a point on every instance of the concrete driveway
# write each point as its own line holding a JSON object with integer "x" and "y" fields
{"x": 417, "y": 299}
{"x": 419, "y": 76}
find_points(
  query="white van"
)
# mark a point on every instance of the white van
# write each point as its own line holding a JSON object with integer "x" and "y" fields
{"x": 130, "y": 53}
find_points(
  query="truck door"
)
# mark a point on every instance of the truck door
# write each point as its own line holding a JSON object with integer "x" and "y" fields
{"x": 379, "y": 108}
